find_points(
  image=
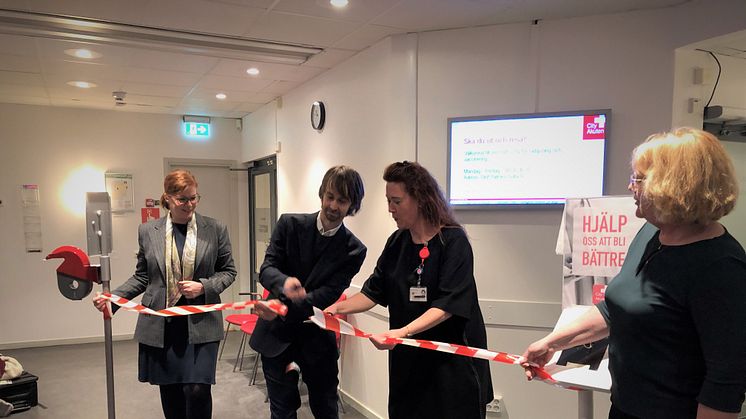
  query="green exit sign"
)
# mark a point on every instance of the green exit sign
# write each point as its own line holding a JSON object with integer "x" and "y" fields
{"x": 196, "y": 129}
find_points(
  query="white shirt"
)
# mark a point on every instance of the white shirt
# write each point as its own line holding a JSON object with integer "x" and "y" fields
{"x": 320, "y": 227}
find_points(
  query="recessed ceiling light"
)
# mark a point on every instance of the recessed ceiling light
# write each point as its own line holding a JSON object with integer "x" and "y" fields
{"x": 221, "y": 96}
{"x": 83, "y": 53}
{"x": 253, "y": 71}
{"x": 338, "y": 3}
{"x": 82, "y": 84}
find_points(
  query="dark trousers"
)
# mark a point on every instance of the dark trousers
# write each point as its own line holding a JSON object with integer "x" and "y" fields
{"x": 318, "y": 366}
{"x": 615, "y": 413}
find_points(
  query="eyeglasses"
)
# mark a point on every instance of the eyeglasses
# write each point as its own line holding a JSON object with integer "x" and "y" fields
{"x": 635, "y": 180}
{"x": 182, "y": 200}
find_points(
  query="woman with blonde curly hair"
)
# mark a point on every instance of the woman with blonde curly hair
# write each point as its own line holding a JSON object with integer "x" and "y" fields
{"x": 675, "y": 313}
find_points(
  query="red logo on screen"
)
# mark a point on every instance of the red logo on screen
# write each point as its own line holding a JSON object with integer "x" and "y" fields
{"x": 594, "y": 127}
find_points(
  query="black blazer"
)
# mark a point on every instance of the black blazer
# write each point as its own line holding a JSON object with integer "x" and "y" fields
{"x": 325, "y": 277}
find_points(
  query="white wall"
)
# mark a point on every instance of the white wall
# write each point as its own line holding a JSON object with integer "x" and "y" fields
{"x": 624, "y": 62}
{"x": 730, "y": 91}
{"x": 44, "y": 146}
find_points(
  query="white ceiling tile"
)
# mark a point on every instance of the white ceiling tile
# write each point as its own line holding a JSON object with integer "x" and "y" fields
{"x": 280, "y": 87}
{"x": 70, "y": 92}
{"x": 161, "y": 60}
{"x": 248, "y": 107}
{"x": 20, "y": 63}
{"x": 202, "y": 16}
{"x": 329, "y": 58}
{"x": 233, "y": 96}
{"x": 355, "y": 11}
{"x": 103, "y": 87}
{"x": 24, "y": 100}
{"x": 152, "y": 100}
{"x": 17, "y": 45}
{"x": 90, "y": 72}
{"x": 163, "y": 80}
{"x": 260, "y": 97}
{"x": 262, "y": 4}
{"x": 77, "y": 103}
{"x": 53, "y": 49}
{"x": 418, "y": 15}
{"x": 366, "y": 36}
{"x": 243, "y": 84}
{"x": 163, "y": 90}
{"x": 285, "y": 27}
{"x": 111, "y": 10}
{"x": 14, "y": 4}
{"x": 235, "y": 114}
{"x": 17, "y": 77}
{"x": 237, "y": 68}
{"x": 267, "y": 71}
{"x": 22, "y": 90}
{"x": 147, "y": 75}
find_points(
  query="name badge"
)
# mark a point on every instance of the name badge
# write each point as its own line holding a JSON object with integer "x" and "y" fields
{"x": 418, "y": 294}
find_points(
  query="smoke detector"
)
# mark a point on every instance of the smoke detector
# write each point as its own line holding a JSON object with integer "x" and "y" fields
{"x": 119, "y": 97}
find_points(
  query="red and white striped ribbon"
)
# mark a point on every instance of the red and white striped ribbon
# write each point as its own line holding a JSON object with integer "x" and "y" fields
{"x": 126, "y": 304}
{"x": 329, "y": 322}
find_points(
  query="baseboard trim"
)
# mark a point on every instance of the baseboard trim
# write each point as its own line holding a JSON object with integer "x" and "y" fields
{"x": 360, "y": 407}
{"x": 59, "y": 342}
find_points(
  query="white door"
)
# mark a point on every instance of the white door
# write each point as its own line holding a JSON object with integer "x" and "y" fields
{"x": 218, "y": 190}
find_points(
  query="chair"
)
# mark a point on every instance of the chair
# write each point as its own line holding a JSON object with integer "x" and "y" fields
{"x": 247, "y": 329}
{"x": 239, "y": 320}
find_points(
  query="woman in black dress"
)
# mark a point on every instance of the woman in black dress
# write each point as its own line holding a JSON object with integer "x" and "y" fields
{"x": 183, "y": 259}
{"x": 425, "y": 277}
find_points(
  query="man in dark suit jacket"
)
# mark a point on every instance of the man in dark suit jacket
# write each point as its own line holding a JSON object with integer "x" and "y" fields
{"x": 309, "y": 263}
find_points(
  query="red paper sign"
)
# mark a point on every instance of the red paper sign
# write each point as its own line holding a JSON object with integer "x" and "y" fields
{"x": 150, "y": 214}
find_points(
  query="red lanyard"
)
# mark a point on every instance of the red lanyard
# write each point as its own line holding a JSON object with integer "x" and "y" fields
{"x": 424, "y": 254}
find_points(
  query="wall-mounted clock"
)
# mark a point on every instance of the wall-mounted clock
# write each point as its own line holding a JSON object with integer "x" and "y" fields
{"x": 318, "y": 115}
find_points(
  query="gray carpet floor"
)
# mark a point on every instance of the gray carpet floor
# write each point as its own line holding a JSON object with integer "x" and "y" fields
{"x": 72, "y": 384}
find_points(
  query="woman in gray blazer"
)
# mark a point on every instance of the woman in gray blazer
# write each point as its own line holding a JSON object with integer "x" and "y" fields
{"x": 183, "y": 259}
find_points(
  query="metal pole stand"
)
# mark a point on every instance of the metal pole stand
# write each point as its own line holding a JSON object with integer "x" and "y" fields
{"x": 585, "y": 404}
{"x": 76, "y": 275}
{"x": 98, "y": 216}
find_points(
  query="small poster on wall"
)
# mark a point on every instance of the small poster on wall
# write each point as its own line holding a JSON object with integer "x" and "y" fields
{"x": 31, "y": 217}
{"x": 121, "y": 190}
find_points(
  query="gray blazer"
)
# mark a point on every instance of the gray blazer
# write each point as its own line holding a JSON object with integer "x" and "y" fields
{"x": 213, "y": 266}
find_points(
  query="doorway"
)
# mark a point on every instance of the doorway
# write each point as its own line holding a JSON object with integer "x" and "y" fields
{"x": 262, "y": 211}
{"x": 218, "y": 187}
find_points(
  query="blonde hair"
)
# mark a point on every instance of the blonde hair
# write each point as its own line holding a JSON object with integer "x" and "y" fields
{"x": 689, "y": 177}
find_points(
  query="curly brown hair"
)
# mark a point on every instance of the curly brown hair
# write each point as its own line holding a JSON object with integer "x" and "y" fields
{"x": 423, "y": 187}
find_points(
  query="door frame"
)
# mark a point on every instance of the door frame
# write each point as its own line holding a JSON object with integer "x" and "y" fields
{"x": 266, "y": 165}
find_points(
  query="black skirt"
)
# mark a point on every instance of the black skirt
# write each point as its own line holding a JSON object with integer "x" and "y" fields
{"x": 178, "y": 361}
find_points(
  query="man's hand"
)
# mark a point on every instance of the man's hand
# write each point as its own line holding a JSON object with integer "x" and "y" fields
{"x": 293, "y": 289}
{"x": 265, "y": 312}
